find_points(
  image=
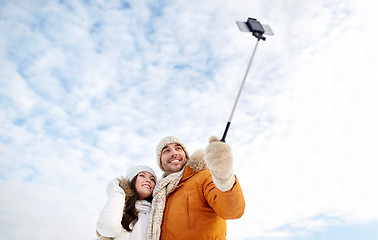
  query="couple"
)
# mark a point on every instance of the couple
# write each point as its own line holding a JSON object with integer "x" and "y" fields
{"x": 192, "y": 200}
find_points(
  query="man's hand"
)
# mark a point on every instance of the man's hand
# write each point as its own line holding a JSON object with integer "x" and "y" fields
{"x": 218, "y": 157}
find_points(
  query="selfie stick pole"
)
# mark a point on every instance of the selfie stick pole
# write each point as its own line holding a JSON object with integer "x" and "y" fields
{"x": 238, "y": 96}
{"x": 257, "y": 30}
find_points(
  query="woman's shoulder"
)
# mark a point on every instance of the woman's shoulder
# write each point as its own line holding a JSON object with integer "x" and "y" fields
{"x": 126, "y": 186}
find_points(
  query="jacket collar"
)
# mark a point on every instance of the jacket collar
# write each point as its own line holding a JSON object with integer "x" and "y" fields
{"x": 188, "y": 173}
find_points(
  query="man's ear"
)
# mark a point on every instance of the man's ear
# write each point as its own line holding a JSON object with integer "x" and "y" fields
{"x": 161, "y": 165}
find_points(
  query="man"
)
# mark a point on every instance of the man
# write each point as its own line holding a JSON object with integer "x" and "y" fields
{"x": 196, "y": 195}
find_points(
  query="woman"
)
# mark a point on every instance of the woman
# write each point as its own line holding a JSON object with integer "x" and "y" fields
{"x": 126, "y": 213}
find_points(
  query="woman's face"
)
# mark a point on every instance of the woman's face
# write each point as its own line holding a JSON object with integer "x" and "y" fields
{"x": 144, "y": 185}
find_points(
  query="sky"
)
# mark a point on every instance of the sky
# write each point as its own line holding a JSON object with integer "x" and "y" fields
{"x": 88, "y": 88}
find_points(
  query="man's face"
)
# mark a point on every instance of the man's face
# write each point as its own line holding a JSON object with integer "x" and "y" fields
{"x": 172, "y": 158}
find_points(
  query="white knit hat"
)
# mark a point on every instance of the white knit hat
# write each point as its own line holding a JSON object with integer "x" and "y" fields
{"x": 134, "y": 170}
{"x": 164, "y": 142}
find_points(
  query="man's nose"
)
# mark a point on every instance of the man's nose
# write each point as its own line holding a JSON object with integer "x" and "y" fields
{"x": 174, "y": 152}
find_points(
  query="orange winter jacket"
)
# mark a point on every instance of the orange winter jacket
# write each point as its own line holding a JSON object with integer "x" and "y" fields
{"x": 196, "y": 209}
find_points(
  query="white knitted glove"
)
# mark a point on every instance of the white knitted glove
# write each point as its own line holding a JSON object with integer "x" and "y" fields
{"x": 109, "y": 221}
{"x": 218, "y": 157}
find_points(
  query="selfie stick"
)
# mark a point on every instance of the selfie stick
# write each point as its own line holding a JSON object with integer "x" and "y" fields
{"x": 257, "y": 29}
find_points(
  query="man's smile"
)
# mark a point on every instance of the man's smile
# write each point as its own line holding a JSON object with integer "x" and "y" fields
{"x": 174, "y": 160}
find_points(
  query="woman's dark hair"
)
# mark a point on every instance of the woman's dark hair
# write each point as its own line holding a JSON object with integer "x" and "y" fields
{"x": 130, "y": 214}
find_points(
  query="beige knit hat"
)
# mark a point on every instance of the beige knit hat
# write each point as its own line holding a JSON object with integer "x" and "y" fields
{"x": 134, "y": 170}
{"x": 164, "y": 142}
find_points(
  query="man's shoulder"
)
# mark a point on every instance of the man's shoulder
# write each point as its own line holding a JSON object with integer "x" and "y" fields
{"x": 190, "y": 173}
{"x": 197, "y": 161}
{"x": 203, "y": 173}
